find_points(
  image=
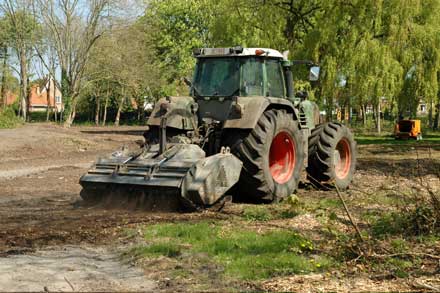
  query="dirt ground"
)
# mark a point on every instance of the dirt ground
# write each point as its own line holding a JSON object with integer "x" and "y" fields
{"x": 49, "y": 240}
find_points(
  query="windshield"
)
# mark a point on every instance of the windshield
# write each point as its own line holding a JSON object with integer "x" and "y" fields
{"x": 217, "y": 76}
{"x": 227, "y": 76}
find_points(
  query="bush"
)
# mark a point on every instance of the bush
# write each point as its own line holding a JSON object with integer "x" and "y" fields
{"x": 423, "y": 219}
{"x": 8, "y": 119}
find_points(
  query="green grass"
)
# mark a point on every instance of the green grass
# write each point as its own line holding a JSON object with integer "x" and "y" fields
{"x": 157, "y": 249}
{"x": 243, "y": 253}
{"x": 8, "y": 119}
{"x": 257, "y": 213}
{"x": 433, "y": 138}
{"x": 263, "y": 213}
{"x": 389, "y": 224}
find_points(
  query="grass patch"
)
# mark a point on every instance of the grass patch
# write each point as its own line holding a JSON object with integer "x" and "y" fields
{"x": 257, "y": 213}
{"x": 8, "y": 119}
{"x": 399, "y": 267}
{"x": 263, "y": 213}
{"x": 329, "y": 203}
{"x": 157, "y": 249}
{"x": 432, "y": 239}
{"x": 244, "y": 254}
{"x": 399, "y": 245}
{"x": 419, "y": 221}
{"x": 433, "y": 138}
{"x": 389, "y": 224}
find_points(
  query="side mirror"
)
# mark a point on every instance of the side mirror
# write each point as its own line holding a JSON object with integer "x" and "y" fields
{"x": 314, "y": 73}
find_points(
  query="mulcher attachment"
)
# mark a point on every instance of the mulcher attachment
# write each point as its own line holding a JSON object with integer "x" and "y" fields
{"x": 180, "y": 177}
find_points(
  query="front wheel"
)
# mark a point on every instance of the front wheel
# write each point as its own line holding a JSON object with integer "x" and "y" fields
{"x": 272, "y": 155}
{"x": 332, "y": 155}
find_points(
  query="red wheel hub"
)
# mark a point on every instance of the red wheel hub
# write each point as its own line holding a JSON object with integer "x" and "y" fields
{"x": 342, "y": 158}
{"x": 282, "y": 157}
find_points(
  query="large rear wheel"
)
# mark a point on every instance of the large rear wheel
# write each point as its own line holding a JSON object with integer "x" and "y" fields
{"x": 272, "y": 155}
{"x": 332, "y": 155}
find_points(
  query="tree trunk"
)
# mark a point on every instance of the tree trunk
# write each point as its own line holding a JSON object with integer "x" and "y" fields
{"x": 118, "y": 114}
{"x": 70, "y": 115}
{"x": 364, "y": 115}
{"x": 430, "y": 120}
{"x": 98, "y": 108}
{"x": 3, "y": 90}
{"x": 104, "y": 116}
{"x": 24, "y": 84}
{"x": 66, "y": 113}
{"x": 68, "y": 119}
{"x": 48, "y": 101}
{"x": 437, "y": 117}
{"x": 378, "y": 117}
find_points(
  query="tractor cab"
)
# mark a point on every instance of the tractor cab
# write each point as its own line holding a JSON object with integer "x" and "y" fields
{"x": 235, "y": 78}
{"x": 244, "y": 72}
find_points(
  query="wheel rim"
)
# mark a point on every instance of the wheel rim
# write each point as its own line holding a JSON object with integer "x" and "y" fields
{"x": 282, "y": 157}
{"x": 342, "y": 158}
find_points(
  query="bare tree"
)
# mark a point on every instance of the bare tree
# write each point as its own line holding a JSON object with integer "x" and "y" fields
{"x": 74, "y": 27}
{"x": 22, "y": 29}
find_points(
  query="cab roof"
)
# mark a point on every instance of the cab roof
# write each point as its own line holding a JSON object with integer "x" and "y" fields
{"x": 237, "y": 51}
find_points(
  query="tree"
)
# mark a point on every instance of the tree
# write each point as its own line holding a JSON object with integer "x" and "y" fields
{"x": 74, "y": 33}
{"x": 22, "y": 29}
{"x": 4, "y": 56}
{"x": 122, "y": 66}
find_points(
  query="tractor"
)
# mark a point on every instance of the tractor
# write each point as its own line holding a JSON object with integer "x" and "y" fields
{"x": 241, "y": 131}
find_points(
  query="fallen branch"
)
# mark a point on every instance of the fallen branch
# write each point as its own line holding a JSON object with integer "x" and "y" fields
{"x": 353, "y": 223}
{"x": 421, "y": 285}
{"x": 406, "y": 254}
{"x": 70, "y": 284}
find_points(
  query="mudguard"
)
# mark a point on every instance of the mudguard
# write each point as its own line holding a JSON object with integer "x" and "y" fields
{"x": 253, "y": 107}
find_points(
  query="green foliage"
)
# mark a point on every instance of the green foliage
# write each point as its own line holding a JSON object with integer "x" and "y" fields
{"x": 158, "y": 249}
{"x": 390, "y": 224}
{"x": 421, "y": 220}
{"x": 432, "y": 139}
{"x": 178, "y": 27}
{"x": 257, "y": 213}
{"x": 244, "y": 254}
{"x": 20, "y": 29}
{"x": 8, "y": 119}
{"x": 368, "y": 50}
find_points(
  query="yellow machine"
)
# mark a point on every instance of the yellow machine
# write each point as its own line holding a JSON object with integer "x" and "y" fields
{"x": 408, "y": 129}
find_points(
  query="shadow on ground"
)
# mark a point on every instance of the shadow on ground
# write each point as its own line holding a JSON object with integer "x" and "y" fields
{"x": 407, "y": 168}
{"x": 113, "y": 131}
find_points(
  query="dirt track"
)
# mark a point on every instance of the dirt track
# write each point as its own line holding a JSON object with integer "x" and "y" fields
{"x": 39, "y": 170}
{"x": 43, "y": 225}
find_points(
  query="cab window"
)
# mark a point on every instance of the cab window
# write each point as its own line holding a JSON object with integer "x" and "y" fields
{"x": 275, "y": 79}
{"x": 252, "y": 77}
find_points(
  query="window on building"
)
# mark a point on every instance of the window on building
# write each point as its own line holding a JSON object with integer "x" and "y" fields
{"x": 58, "y": 99}
{"x": 422, "y": 108}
